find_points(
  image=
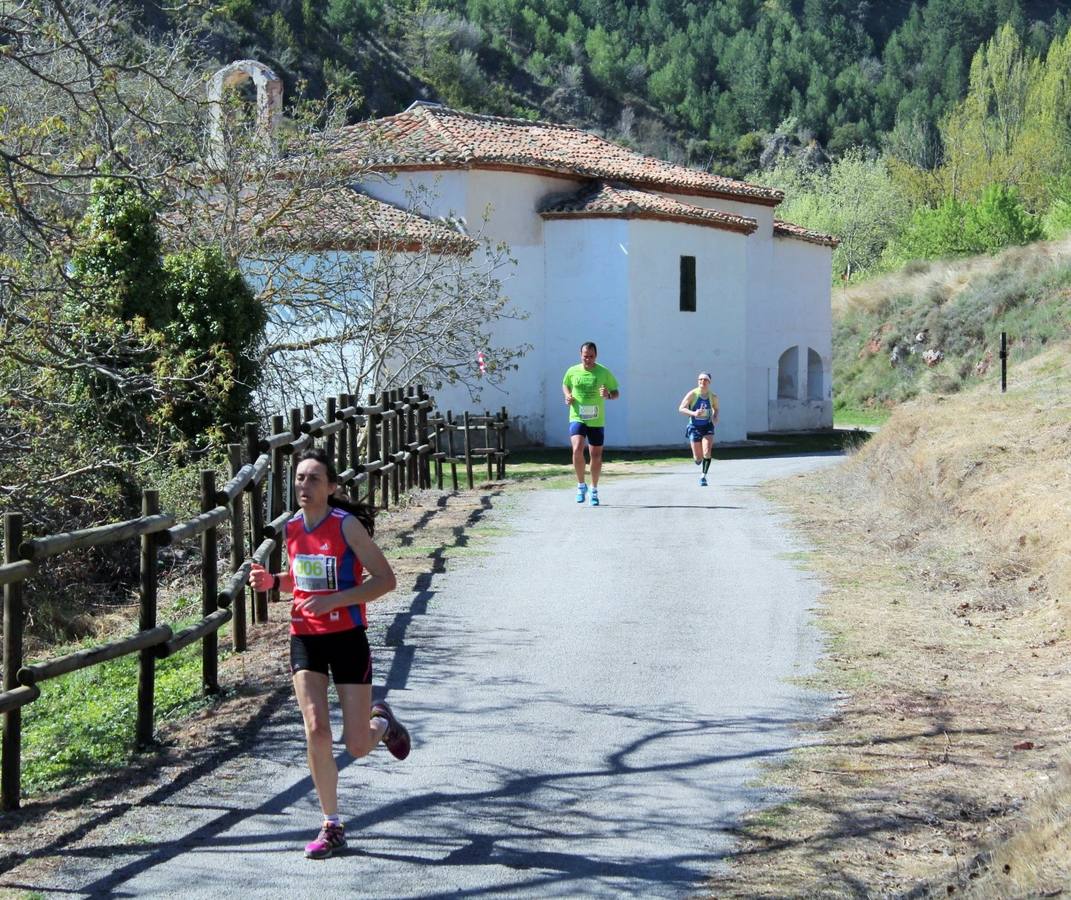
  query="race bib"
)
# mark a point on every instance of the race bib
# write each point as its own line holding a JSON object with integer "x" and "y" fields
{"x": 314, "y": 573}
{"x": 703, "y": 412}
{"x": 588, "y": 411}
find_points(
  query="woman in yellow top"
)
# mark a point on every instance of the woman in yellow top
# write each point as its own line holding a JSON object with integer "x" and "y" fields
{"x": 701, "y": 406}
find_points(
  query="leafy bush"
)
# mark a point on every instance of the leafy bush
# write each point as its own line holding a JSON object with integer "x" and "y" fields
{"x": 952, "y": 228}
{"x": 165, "y": 361}
{"x": 215, "y": 326}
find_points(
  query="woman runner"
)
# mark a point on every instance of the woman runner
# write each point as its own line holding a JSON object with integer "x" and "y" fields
{"x": 701, "y": 406}
{"x": 328, "y": 544}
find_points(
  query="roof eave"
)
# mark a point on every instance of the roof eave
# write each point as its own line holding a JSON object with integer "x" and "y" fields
{"x": 578, "y": 174}
{"x": 740, "y": 227}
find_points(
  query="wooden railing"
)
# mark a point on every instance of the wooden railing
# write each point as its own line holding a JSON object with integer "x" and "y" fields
{"x": 383, "y": 449}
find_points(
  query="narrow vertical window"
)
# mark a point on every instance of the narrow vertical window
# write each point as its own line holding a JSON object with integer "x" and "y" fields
{"x": 687, "y": 284}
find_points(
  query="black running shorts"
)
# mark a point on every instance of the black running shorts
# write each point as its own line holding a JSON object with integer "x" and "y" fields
{"x": 345, "y": 653}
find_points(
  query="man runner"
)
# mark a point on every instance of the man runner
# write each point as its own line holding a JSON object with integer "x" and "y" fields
{"x": 587, "y": 387}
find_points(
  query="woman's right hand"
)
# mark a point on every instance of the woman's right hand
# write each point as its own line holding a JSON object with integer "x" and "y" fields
{"x": 260, "y": 579}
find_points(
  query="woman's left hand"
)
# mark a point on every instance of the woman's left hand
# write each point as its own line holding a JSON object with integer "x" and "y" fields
{"x": 318, "y": 605}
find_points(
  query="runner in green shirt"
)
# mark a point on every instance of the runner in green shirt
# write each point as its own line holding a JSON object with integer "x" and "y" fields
{"x": 586, "y": 388}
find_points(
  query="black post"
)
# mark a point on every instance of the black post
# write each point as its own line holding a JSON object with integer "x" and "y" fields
{"x": 150, "y": 506}
{"x": 488, "y": 430}
{"x": 1003, "y": 361}
{"x": 11, "y": 775}
{"x": 256, "y": 519}
{"x": 238, "y": 635}
{"x": 209, "y": 586}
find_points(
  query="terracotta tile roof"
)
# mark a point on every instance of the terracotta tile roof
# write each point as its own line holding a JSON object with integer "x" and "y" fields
{"x": 613, "y": 199}
{"x": 337, "y": 219}
{"x": 787, "y": 229}
{"x": 432, "y": 136}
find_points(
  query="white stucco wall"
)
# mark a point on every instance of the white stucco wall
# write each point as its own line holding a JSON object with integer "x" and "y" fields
{"x": 587, "y": 290}
{"x": 668, "y": 347}
{"x": 796, "y": 312}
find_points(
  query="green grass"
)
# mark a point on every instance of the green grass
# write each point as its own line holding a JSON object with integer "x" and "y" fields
{"x": 773, "y": 816}
{"x": 83, "y": 723}
{"x": 553, "y": 464}
{"x": 860, "y": 418}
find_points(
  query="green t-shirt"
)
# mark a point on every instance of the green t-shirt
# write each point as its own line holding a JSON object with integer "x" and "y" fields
{"x": 588, "y": 406}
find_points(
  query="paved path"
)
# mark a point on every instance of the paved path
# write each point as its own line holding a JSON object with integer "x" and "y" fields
{"x": 590, "y": 704}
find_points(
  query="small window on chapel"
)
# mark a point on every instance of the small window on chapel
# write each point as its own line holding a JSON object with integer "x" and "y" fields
{"x": 687, "y": 284}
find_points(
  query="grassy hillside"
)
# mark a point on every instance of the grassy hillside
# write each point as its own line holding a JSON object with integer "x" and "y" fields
{"x": 935, "y": 327}
{"x": 945, "y": 547}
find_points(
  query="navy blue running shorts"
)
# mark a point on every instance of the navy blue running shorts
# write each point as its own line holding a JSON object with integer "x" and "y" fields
{"x": 696, "y": 433}
{"x": 595, "y": 435}
{"x": 345, "y": 653}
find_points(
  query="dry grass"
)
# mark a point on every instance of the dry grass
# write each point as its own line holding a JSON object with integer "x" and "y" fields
{"x": 946, "y": 545}
{"x": 948, "y": 277}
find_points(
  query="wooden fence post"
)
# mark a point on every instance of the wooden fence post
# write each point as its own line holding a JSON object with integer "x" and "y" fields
{"x": 396, "y": 446}
{"x": 295, "y": 431}
{"x": 150, "y": 506}
{"x": 468, "y": 453}
{"x": 386, "y": 432}
{"x": 329, "y": 417}
{"x": 209, "y": 586}
{"x": 500, "y": 444}
{"x": 353, "y": 456}
{"x": 342, "y": 454}
{"x": 238, "y": 623}
{"x": 11, "y": 756}
{"x": 278, "y": 465}
{"x": 371, "y": 427}
{"x": 439, "y": 451}
{"x": 424, "y": 459}
{"x": 488, "y": 443}
{"x": 409, "y": 471}
{"x": 450, "y": 445}
{"x": 256, "y": 519}
{"x": 398, "y": 485}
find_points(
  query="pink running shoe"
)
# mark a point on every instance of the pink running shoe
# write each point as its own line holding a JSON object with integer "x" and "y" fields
{"x": 396, "y": 737}
{"x": 331, "y": 838}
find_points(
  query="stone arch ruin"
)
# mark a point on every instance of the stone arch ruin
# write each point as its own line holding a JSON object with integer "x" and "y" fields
{"x": 269, "y": 106}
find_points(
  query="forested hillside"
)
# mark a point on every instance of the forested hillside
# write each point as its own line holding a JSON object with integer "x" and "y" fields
{"x": 701, "y": 81}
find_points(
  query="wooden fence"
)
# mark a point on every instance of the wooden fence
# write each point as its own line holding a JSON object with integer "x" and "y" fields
{"x": 392, "y": 444}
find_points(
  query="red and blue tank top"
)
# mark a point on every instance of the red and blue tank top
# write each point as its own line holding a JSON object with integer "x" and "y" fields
{"x": 321, "y": 562}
